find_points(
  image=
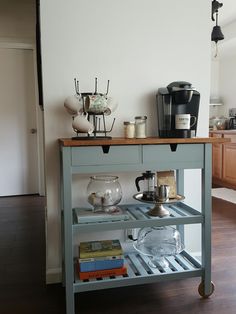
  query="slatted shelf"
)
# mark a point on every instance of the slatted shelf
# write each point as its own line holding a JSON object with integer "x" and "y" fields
{"x": 180, "y": 213}
{"x": 139, "y": 271}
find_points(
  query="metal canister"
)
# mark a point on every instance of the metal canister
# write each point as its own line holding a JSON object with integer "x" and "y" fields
{"x": 163, "y": 192}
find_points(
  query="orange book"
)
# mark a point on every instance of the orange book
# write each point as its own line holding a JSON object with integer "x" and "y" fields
{"x": 103, "y": 273}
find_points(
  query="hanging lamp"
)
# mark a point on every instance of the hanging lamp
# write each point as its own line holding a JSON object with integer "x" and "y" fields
{"x": 216, "y": 34}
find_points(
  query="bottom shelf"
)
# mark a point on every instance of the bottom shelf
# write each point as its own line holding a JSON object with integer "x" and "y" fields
{"x": 182, "y": 265}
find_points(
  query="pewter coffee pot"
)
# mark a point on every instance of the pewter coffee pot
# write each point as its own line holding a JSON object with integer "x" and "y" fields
{"x": 148, "y": 185}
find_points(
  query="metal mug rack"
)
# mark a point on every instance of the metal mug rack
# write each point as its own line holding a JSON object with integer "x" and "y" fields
{"x": 97, "y": 119}
{"x": 100, "y": 127}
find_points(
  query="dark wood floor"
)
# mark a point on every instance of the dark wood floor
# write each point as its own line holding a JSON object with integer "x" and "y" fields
{"x": 22, "y": 271}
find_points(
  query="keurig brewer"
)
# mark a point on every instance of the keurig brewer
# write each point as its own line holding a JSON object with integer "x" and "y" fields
{"x": 177, "y": 110}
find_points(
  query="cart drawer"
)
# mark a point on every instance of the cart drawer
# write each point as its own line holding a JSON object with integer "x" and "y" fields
{"x": 189, "y": 153}
{"x": 82, "y": 156}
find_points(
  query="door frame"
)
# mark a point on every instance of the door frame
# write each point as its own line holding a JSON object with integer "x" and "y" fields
{"x": 22, "y": 45}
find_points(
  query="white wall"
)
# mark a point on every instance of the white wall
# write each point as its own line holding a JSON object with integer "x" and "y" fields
{"x": 227, "y": 67}
{"x": 140, "y": 46}
{"x": 214, "y": 92}
{"x": 227, "y": 79}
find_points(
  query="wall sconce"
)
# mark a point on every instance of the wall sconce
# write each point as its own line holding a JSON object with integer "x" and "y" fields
{"x": 216, "y": 33}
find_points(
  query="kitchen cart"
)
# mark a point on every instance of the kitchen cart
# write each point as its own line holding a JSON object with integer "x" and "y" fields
{"x": 123, "y": 155}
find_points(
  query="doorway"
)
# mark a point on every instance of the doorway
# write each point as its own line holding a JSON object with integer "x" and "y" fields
{"x": 19, "y": 163}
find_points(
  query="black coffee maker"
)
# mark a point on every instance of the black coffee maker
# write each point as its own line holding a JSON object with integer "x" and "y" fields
{"x": 232, "y": 123}
{"x": 176, "y": 100}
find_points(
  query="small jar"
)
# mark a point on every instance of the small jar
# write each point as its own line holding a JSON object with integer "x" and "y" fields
{"x": 141, "y": 127}
{"x": 129, "y": 129}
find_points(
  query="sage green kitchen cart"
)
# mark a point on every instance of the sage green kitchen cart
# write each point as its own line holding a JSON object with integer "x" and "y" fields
{"x": 126, "y": 155}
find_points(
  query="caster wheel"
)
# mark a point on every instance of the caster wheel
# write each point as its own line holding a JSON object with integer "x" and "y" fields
{"x": 201, "y": 290}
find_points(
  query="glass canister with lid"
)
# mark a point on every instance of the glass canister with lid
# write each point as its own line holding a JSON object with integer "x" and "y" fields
{"x": 141, "y": 127}
{"x": 129, "y": 129}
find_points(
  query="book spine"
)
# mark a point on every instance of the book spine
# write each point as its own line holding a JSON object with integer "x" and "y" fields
{"x": 101, "y": 265}
{"x": 113, "y": 252}
{"x": 103, "y": 258}
{"x": 100, "y": 248}
{"x": 103, "y": 273}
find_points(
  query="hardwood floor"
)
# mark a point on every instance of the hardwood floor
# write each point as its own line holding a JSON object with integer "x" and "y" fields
{"x": 22, "y": 259}
{"x": 22, "y": 271}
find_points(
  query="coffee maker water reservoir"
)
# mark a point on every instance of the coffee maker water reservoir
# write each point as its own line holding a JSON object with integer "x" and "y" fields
{"x": 177, "y": 110}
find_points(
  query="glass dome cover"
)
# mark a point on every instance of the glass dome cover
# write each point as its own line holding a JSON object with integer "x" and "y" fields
{"x": 158, "y": 242}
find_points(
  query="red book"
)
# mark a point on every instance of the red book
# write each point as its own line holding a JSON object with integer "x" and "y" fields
{"x": 103, "y": 273}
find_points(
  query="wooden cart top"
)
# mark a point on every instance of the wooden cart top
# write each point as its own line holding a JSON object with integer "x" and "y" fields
{"x": 134, "y": 141}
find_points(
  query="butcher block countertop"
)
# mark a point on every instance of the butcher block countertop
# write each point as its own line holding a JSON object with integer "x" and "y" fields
{"x": 228, "y": 132}
{"x": 144, "y": 141}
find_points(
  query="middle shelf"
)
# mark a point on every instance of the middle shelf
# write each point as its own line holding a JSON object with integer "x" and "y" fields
{"x": 180, "y": 214}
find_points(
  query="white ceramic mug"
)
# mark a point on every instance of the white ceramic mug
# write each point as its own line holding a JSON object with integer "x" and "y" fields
{"x": 183, "y": 121}
{"x": 112, "y": 104}
{"x": 81, "y": 124}
{"x": 73, "y": 104}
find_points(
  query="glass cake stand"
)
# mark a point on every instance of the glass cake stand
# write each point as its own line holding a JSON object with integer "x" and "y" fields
{"x": 158, "y": 243}
{"x": 158, "y": 210}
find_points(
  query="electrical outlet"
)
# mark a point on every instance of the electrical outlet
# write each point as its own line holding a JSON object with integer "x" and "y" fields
{"x": 131, "y": 234}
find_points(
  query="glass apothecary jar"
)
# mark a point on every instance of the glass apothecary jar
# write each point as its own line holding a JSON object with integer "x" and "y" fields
{"x": 129, "y": 129}
{"x": 141, "y": 127}
{"x": 104, "y": 193}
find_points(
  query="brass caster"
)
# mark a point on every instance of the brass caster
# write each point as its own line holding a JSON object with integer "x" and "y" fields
{"x": 201, "y": 290}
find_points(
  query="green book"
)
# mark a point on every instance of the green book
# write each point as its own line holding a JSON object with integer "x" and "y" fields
{"x": 100, "y": 248}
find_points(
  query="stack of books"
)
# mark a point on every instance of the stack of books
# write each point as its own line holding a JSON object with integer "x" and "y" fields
{"x": 99, "y": 259}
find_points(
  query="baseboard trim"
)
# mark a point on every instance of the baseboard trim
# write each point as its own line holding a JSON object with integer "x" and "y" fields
{"x": 53, "y": 275}
{"x": 197, "y": 255}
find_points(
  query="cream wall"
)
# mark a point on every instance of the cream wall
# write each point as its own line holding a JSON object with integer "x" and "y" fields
{"x": 140, "y": 46}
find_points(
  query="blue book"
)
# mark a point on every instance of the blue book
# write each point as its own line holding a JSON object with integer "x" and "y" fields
{"x": 100, "y": 263}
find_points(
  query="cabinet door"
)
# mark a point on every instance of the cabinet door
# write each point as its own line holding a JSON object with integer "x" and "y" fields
{"x": 217, "y": 158}
{"x": 217, "y": 161}
{"x": 229, "y": 157}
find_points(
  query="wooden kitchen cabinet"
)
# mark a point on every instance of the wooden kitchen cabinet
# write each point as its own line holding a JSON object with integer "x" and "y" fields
{"x": 229, "y": 159}
{"x": 217, "y": 159}
{"x": 223, "y": 159}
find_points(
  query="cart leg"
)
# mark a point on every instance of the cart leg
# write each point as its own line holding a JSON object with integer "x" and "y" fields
{"x": 68, "y": 233}
{"x": 180, "y": 187}
{"x": 206, "y": 287}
